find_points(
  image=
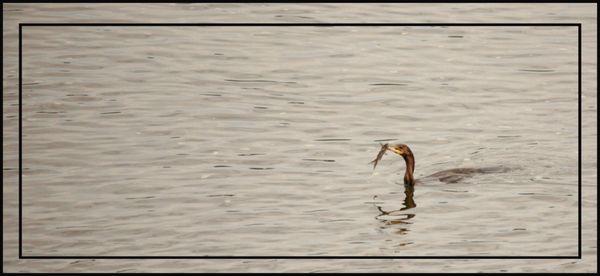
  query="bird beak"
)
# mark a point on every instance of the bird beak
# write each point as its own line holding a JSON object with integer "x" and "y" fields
{"x": 396, "y": 151}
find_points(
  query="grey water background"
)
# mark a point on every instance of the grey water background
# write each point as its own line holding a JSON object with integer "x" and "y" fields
{"x": 256, "y": 141}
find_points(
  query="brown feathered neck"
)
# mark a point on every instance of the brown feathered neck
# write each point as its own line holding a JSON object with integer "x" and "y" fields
{"x": 409, "y": 159}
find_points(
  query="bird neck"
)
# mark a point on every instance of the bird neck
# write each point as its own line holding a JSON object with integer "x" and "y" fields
{"x": 409, "y": 159}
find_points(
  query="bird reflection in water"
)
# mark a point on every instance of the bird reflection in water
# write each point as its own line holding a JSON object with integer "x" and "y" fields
{"x": 399, "y": 217}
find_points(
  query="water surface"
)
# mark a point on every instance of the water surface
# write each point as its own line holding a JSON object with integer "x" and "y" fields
{"x": 255, "y": 141}
{"x": 232, "y": 141}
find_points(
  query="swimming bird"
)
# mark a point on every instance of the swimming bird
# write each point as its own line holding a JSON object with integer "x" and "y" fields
{"x": 446, "y": 176}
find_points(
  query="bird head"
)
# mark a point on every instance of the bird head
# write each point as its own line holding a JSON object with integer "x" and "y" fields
{"x": 400, "y": 149}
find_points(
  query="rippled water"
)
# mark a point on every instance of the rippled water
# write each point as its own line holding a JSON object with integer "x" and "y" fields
{"x": 255, "y": 141}
{"x": 230, "y": 141}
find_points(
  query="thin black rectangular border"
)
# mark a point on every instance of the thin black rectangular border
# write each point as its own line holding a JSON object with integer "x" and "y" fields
{"x": 21, "y": 25}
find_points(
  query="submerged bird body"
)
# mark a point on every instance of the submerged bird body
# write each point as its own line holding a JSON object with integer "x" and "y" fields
{"x": 446, "y": 176}
{"x": 456, "y": 175}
